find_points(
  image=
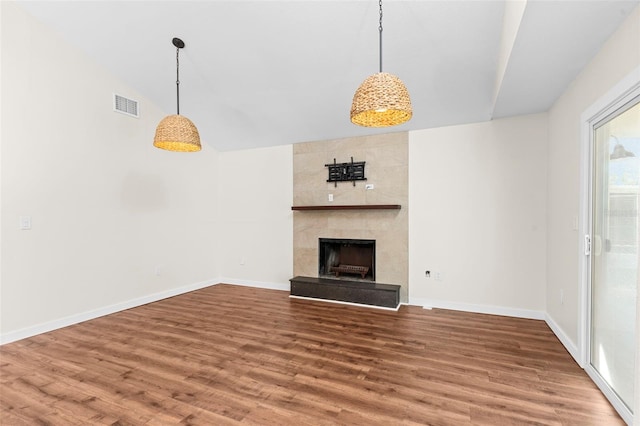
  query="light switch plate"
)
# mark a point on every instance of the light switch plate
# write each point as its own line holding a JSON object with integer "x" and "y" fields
{"x": 25, "y": 222}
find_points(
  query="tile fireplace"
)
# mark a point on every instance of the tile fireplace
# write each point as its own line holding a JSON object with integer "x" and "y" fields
{"x": 375, "y": 213}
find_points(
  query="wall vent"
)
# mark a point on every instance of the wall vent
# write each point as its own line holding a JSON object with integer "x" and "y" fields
{"x": 125, "y": 106}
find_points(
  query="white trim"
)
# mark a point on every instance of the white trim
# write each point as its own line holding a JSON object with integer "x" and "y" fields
{"x": 584, "y": 228}
{"x": 340, "y": 302}
{"x": 100, "y": 312}
{"x": 624, "y": 91}
{"x": 569, "y": 345}
{"x": 479, "y": 309}
{"x": 258, "y": 284}
{"x": 617, "y": 403}
{"x": 620, "y": 93}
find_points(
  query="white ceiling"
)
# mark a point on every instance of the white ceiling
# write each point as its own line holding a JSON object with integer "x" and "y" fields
{"x": 264, "y": 73}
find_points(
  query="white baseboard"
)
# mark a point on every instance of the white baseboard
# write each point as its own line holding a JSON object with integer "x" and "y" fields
{"x": 510, "y": 312}
{"x": 340, "y": 302}
{"x": 478, "y": 309}
{"x": 23, "y": 333}
{"x": 569, "y": 345}
{"x": 258, "y": 284}
{"x": 426, "y": 303}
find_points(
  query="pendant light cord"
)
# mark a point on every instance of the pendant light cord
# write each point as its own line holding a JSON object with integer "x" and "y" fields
{"x": 380, "y": 33}
{"x": 177, "y": 80}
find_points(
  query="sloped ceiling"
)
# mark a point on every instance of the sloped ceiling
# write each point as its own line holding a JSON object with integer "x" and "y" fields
{"x": 264, "y": 73}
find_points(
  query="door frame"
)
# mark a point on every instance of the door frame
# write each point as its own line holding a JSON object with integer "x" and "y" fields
{"x": 623, "y": 92}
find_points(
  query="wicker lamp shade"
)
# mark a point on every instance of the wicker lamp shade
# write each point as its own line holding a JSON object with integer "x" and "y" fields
{"x": 382, "y": 100}
{"x": 177, "y": 133}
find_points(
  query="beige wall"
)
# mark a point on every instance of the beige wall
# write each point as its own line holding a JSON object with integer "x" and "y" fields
{"x": 255, "y": 218}
{"x": 387, "y": 169}
{"x": 108, "y": 209}
{"x": 477, "y": 217}
{"x": 617, "y": 58}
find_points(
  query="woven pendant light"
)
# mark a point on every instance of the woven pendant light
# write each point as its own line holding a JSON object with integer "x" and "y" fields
{"x": 177, "y": 132}
{"x": 382, "y": 100}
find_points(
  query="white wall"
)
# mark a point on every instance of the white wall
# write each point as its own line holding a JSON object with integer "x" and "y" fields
{"x": 107, "y": 207}
{"x": 255, "y": 241}
{"x": 477, "y": 196}
{"x": 614, "y": 61}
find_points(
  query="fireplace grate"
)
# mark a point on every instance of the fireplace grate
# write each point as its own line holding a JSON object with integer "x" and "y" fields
{"x": 350, "y": 269}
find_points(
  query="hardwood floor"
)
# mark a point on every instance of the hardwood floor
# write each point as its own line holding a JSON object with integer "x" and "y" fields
{"x": 229, "y": 355}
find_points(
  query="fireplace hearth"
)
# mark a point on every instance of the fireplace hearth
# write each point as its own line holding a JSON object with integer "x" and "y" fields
{"x": 346, "y": 274}
{"x": 346, "y": 291}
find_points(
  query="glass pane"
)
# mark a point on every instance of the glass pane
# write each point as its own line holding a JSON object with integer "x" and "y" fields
{"x": 614, "y": 274}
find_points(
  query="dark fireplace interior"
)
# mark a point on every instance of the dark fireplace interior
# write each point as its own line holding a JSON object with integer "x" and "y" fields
{"x": 347, "y": 259}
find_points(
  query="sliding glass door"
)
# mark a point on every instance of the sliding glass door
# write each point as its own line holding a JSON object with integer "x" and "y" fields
{"x": 614, "y": 251}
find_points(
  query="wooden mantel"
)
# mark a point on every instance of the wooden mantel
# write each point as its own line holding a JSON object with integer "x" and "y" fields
{"x": 350, "y": 207}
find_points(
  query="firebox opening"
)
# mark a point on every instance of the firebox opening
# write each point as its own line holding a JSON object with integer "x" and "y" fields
{"x": 347, "y": 259}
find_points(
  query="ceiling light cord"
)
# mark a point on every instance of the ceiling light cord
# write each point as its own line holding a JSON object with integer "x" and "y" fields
{"x": 380, "y": 33}
{"x": 177, "y": 80}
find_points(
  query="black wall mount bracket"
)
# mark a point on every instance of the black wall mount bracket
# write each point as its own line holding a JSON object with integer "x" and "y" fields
{"x": 346, "y": 172}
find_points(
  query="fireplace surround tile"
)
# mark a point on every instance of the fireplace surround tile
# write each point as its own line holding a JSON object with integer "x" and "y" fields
{"x": 386, "y": 158}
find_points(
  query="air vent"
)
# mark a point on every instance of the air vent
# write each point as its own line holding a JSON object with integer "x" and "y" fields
{"x": 125, "y": 106}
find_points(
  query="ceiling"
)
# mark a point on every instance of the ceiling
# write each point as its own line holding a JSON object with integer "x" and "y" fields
{"x": 264, "y": 73}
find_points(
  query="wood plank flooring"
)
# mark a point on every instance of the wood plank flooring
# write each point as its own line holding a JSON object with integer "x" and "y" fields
{"x": 239, "y": 355}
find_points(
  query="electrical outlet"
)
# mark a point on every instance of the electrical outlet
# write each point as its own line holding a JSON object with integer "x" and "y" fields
{"x": 330, "y": 197}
